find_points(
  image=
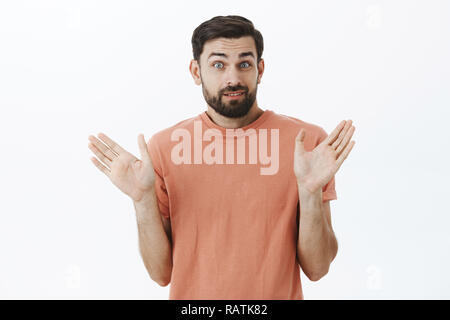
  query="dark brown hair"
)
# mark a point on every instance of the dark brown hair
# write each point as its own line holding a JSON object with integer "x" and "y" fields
{"x": 227, "y": 27}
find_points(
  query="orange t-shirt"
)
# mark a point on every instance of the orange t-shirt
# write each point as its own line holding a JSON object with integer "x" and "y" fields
{"x": 232, "y": 202}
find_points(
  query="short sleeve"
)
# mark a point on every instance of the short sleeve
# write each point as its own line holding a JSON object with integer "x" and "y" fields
{"x": 329, "y": 190}
{"x": 160, "y": 186}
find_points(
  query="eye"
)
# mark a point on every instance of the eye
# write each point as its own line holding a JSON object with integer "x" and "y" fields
{"x": 215, "y": 63}
{"x": 246, "y": 63}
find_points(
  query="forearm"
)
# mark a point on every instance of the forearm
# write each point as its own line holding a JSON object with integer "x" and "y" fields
{"x": 317, "y": 245}
{"x": 154, "y": 244}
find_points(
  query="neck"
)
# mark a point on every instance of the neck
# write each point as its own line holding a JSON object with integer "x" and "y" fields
{"x": 232, "y": 123}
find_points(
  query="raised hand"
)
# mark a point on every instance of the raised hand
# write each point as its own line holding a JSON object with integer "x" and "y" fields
{"x": 315, "y": 169}
{"x": 132, "y": 176}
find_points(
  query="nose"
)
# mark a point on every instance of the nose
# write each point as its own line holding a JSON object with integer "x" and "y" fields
{"x": 232, "y": 77}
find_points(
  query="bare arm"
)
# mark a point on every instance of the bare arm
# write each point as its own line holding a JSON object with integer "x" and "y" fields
{"x": 136, "y": 178}
{"x": 317, "y": 245}
{"x": 154, "y": 239}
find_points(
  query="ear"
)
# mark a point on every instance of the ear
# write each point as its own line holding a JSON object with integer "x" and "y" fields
{"x": 194, "y": 69}
{"x": 260, "y": 69}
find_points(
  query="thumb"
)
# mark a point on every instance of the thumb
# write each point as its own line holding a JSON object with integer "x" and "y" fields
{"x": 145, "y": 157}
{"x": 299, "y": 139}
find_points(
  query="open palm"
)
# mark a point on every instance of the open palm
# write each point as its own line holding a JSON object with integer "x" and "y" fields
{"x": 315, "y": 169}
{"x": 132, "y": 176}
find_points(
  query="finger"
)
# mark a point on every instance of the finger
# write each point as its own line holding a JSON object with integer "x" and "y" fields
{"x": 347, "y": 138}
{"x": 299, "y": 146}
{"x": 342, "y": 134}
{"x": 345, "y": 154}
{"x": 333, "y": 135}
{"x": 300, "y": 135}
{"x": 104, "y": 149}
{"x": 101, "y": 167}
{"x": 100, "y": 155}
{"x": 143, "y": 148}
{"x": 112, "y": 144}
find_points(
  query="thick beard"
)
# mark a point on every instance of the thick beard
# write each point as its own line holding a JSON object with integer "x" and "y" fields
{"x": 233, "y": 108}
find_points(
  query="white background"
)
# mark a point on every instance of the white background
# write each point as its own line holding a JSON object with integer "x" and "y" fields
{"x": 69, "y": 69}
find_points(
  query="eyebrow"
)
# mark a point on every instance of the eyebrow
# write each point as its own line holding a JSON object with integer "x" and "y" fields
{"x": 241, "y": 55}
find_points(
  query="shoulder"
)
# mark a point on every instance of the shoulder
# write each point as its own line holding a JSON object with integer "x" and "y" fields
{"x": 159, "y": 143}
{"x": 162, "y": 138}
{"x": 313, "y": 131}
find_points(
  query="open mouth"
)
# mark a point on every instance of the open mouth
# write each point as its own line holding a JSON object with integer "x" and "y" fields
{"x": 234, "y": 94}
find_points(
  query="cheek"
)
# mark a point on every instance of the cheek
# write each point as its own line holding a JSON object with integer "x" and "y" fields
{"x": 251, "y": 79}
{"x": 210, "y": 80}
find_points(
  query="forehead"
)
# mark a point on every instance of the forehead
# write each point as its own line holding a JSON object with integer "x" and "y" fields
{"x": 231, "y": 47}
